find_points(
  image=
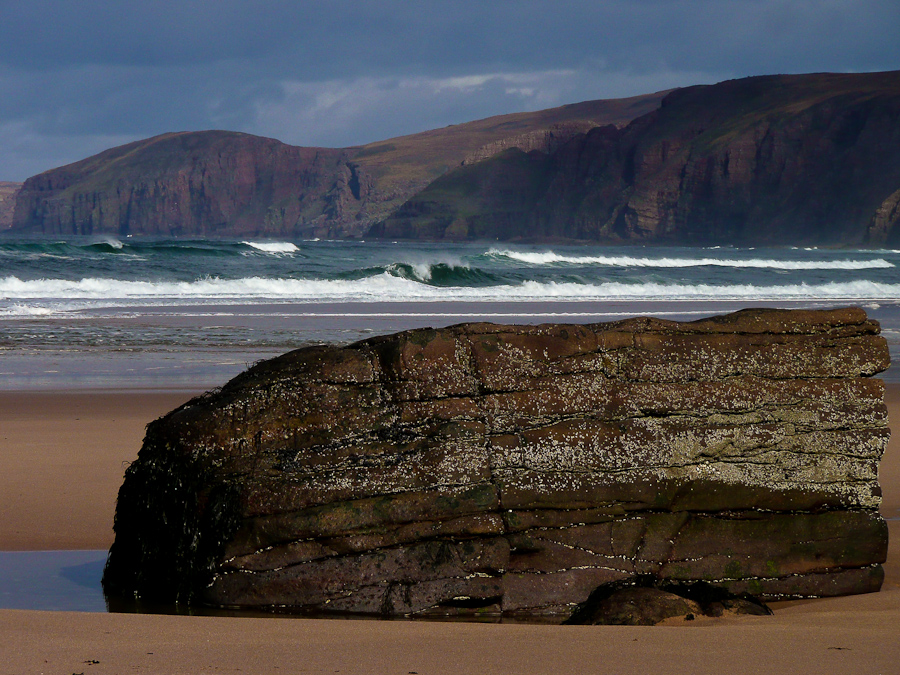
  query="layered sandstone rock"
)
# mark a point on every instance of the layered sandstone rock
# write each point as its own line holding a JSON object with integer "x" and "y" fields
{"x": 515, "y": 469}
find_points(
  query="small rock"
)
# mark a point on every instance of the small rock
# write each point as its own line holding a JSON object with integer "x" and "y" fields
{"x": 644, "y": 603}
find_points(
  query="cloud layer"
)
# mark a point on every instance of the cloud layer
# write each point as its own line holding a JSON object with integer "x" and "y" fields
{"x": 78, "y": 77}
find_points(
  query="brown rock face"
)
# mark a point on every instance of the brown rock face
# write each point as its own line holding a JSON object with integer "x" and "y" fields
{"x": 205, "y": 183}
{"x": 484, "y": 469}
{"x": 220, "y": 183}
{"x": 8, "y": 193}
{"x": 764, "y": 160}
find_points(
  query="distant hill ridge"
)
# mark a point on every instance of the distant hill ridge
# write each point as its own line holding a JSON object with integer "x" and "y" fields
{"x": 222, "y": 183}
{"x": 805, "y": 159}
{"x": 787, "y": 159}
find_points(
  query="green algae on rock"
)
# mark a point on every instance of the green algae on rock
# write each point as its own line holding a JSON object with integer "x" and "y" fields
{"x": 488, "y": 469}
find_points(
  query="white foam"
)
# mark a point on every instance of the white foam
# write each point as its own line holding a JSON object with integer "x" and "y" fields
{"x": 550, "y": 258}
{"x": 18, "y": 297}
{"x": 422, "y": 271}
{"x": 19, "y": 309}
{"x": 274, "y": 247}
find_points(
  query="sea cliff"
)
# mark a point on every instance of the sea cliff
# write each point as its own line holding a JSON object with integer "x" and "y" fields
{"x": 806, "y": 159}
{"x": 227, "y": 184}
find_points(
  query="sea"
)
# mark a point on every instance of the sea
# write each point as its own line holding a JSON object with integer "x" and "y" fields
{"x": 151, "y": 313}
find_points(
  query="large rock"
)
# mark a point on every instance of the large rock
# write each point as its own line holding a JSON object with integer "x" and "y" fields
{"x": 647, "y": 602}
{"x": 488, "y": 468}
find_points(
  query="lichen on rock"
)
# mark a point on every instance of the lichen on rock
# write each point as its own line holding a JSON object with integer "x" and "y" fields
{"x": 487, "y": 469}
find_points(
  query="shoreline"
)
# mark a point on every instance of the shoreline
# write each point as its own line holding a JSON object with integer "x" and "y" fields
{"x": 198, "y": 346}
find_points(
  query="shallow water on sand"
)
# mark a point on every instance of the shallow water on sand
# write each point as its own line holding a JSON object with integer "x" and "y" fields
{"x": 195, "y": 347}
{"x": 69, "y": 581}
{"x": 66, "y": 581}
{"x": 155, "y": 313}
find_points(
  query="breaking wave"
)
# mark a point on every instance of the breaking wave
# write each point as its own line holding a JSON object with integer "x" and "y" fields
{"x": 387, "y": 287}
{"x": 273, "y": 247}
{"x": 551, "y": 258}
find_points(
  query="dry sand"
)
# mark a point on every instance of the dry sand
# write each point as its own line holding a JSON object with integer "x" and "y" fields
{"x": 62, "y": 457}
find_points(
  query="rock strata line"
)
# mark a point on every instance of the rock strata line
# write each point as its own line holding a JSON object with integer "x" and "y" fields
{"x": 490, "y": 469}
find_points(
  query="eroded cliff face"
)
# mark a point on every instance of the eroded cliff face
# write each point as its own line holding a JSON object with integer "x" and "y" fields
{"x": 200, "y": 184}
{"x": 765, "y": 160}
{"x": 8, "y": 193}
{"x": 544, "y": 140}
{"x": 514, "y": 469}
{"x": 884, "y": 226}
{"x": 806, "y": 159}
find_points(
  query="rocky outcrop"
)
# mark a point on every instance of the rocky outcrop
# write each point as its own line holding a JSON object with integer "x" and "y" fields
{"x": 219, "y": 183}
{"x": 885, "y": 224}
{"x": 484, "y": 468}
{"x": 544, "y": 140}
{"x": 807, "y": 159}
{"x": 7, "y": 203}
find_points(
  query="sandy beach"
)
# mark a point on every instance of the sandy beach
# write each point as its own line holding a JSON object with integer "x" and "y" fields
{"x": 62, "y": 457}
{"x": 62, "y": 462}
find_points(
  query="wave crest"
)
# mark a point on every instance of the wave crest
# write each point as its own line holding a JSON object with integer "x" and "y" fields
{"x": 273, "y": 247}
{"x": 23, "y": 297}
{"x": 551, "y": 258}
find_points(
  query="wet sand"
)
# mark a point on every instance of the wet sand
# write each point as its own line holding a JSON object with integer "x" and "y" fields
{"x": 62, "y": 456}
{"x": 62, "y": 460}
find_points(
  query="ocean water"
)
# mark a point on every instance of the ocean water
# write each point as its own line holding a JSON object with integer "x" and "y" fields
{"x": 106, "y": 312}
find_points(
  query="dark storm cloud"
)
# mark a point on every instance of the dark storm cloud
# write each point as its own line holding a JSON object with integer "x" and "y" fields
{"x": 76, "y": 77}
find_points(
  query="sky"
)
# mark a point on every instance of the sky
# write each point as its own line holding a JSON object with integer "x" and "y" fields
{"x": 78, "y": 77}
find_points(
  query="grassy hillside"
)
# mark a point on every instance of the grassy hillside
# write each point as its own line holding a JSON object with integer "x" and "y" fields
{"x": 403, "y": 165}
{"x": 801, "y": 159}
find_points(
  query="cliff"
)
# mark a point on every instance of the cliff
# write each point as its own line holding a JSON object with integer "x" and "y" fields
{"x": 802, "y": 159}
{"x": 807, "y": 159}
{"x": 219, "y": 183}
{"x": 8, "y": 193}
{"x": 484, "y": 468}
{"x": 203, "y": 184}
